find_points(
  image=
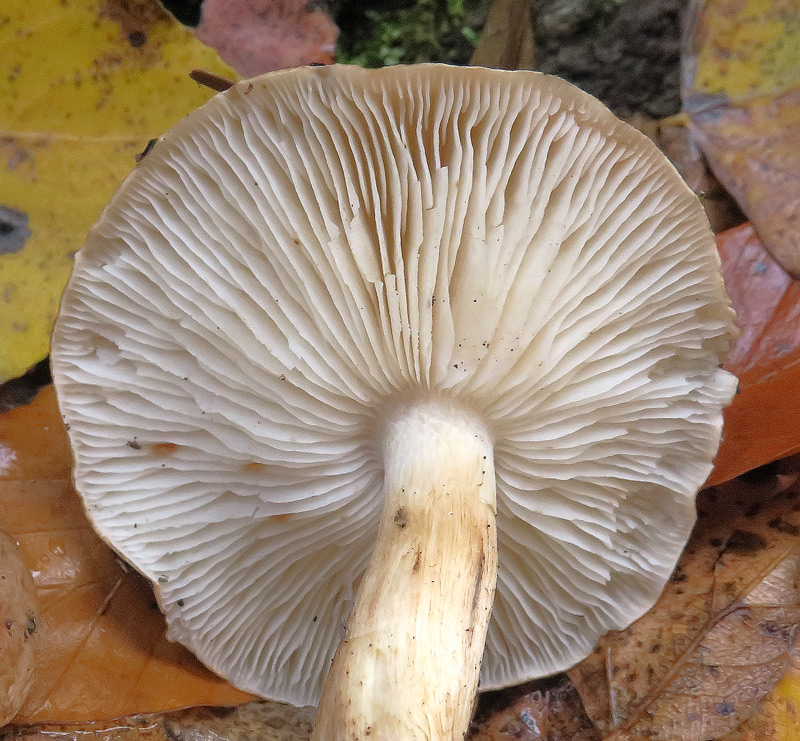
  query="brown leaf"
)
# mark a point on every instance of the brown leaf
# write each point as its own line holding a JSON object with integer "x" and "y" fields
{"x": 18, "y": 618}
{"x": 778, "y": 717}
{"x": 101, "y": 650}
{"x": 754, "y": 150}
{"x": 256, "y": 36}
{"x": 722, "y": 634}
{"x": 255, "y": 721}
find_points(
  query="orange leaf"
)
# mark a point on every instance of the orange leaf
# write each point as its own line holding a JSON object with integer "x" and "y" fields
{"x": 761, "y": 423}
{"x": 101, "y": 650}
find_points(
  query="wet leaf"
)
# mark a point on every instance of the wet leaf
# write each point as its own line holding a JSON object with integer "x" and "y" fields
{"x": 761, "y": 423}
{"x": 724, "y": 631}
{"x": 256, "y": 36}
{"x": 101, "y": 650}
{"x": 84, "y": 85}
{"x": 744, "y": 100}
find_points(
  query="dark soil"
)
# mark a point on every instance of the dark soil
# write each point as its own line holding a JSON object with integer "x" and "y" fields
{"x": 186, "y": 11}
{"x": 625, "y": 52}
{"x": 20, "y": 391}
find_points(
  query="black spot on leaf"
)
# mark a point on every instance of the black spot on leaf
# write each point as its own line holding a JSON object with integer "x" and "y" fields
{"x": 137, "y": 39}
{"x": 14, "y": 230}
{"x": 782, "y": 526}
{"x": 743, "y": 541}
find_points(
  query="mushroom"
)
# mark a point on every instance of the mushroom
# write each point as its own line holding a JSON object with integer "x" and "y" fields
{"x": 348, "y": 327}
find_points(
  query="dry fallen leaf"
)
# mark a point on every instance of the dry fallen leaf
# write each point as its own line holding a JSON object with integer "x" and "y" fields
{"x": 744, "y": 99}
{"x": 761, "y": 423}
{"x": 101, "y": 650}
{"x": 754, "y": 150}
{"x": 724, "y": 631}
{"x": 256, "y": 721}
{"x": 83, "y": 86}
{"x": 778, "y": 718}
{"x": 18, "y": 616}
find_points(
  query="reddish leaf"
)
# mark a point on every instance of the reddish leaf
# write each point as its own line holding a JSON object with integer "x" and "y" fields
{"x": 761, "y": 423}
{"x": 256, "y": 36}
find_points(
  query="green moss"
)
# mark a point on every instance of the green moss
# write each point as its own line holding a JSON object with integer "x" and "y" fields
{"x": 401, "y": 32}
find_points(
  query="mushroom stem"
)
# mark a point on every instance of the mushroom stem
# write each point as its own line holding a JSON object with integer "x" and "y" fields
{"x": 408, "y": 665}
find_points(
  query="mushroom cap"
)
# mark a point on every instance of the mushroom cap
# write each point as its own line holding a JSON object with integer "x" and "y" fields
{"x": 315, "y": 247}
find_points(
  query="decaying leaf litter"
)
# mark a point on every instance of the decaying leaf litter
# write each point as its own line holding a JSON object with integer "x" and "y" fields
{"x": 776, "y": 370}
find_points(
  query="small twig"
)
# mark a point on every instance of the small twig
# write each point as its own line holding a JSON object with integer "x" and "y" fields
{"x": 149, "y": 148}
{"x": 209, "y": 79}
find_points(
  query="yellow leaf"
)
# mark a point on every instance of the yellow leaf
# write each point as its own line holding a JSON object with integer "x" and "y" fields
{"x": 747, "y": 47}
{"x": 778, "y": 718}
{"x": 84, "y": 85}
